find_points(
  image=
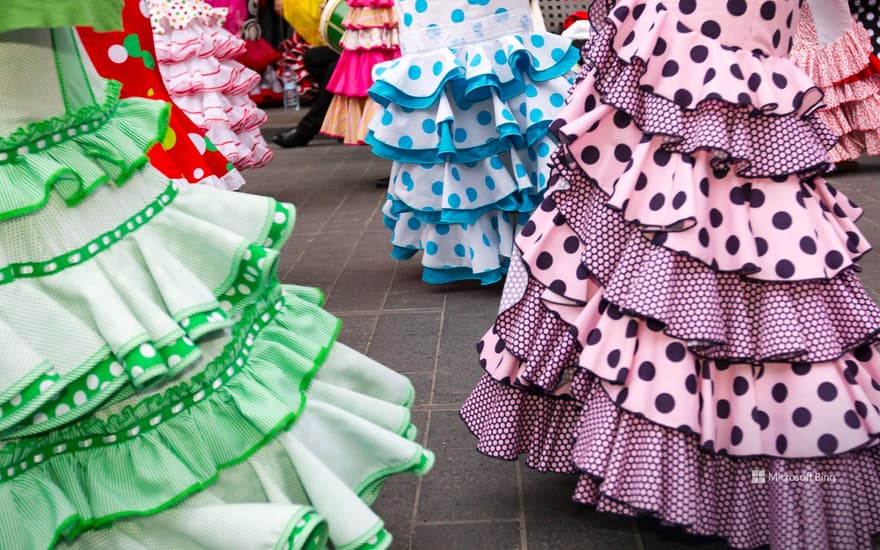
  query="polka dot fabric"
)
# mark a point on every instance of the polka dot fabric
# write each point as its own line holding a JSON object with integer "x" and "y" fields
{"x": 623, "y": 466}
{"x": 868, "y": 14}
{"x": 677, "y": 328}
{"x": 465, "y": 116}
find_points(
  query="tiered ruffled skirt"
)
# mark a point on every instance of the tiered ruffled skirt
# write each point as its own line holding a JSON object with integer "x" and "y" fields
{"x": 849, "y": 74}
{"x": 204, "y": 80}
{"x": 686, "y": 333}
{"x": 158, "y": 382}
{"x": 468, "y": 131}
{"x": 370, "y": 38}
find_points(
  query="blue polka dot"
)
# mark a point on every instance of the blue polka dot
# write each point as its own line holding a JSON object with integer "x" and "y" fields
{"x": 520, "y": 171}
{"x": 414, "y": 72}
{"x": 507, "y": 114}
{"x": 421, "y": 6}
{"x": 476, "y": 60}
{"x": 429, "y": 126}
{"x": 557, "y": 54}
{"x": 484, "y": 118}
{"x": 407, "y": 19}
{"x": 500, "y": 57}
{"x": 438, "y": 68}
{"x": 380, "y": 70}
{"x": 442, "y": 229}
{"x": 437, "y": 188}
{"x": 557, "y": 100}
{"x": 459, "y": 250}
{"x": 408, "y": 181}
{"x": 405, "y": 142}
{"x": 542, "y": 180}
{"x": 496, "y": 163}
{"x": 431, "y": 248}
{"x": 536, "y": 115}
{"x": 531, "y": 91}
{"x": 457, "y": 16}
{"x": 414, "y": 224}
{"x": 454, "y": 200}
{"x": 471, "y": 252}
{"x": 537, "y": 39}
{"x": 460, "y": 135}
{"x": 486, "y": 241}
{"x": 494, "y": 224}
{"x": 471, "y": 194}
{"x": 523, "y": 109}
{"x": 387, "y": 118}
{"x": 543, "y": 149}
{"x": 490, "y": 183}
{"x": 501, "y": 15}
{"x": 455, "y": 173}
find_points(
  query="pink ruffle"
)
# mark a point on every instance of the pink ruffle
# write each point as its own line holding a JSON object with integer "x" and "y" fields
{"x": 244, "y": 150}
{"x": 348, "y": 119}
{"x": 853, "y": 145}
{"x": 170, "y": 15}
{"x": 623, "y": 462}
{"x": 769, "y": 84}
{"x": 237, "y": 112}
{"x": 369, "y": 18}
{"x": 372, "y": 39}
{"x": 197, "y": 75}
{"x": 353, "y": 74}
{"x": 370, "y": 3}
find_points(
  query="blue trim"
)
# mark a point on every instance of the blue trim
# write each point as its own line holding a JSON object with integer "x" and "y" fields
{"x": 402, "y": 254}
{"x": 518, "y": 201}
{"x": 455, "y": 274}
{"x": 446, "y": 151}
{"x": 466, "y": 91}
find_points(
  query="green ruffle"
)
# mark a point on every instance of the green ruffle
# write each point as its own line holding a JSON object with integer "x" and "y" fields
{"x": 152, "y": 455}
{"x": 103, "y": 15}
{"x": 76, "y": 153}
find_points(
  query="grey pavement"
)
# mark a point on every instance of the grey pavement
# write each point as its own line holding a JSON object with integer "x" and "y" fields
{"x": 428, "y": 333}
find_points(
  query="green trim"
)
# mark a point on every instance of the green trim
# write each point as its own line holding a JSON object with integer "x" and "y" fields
{"x": 213, "y": 392}
{"x": 120, "y": 122}
{"x": 71, "y": 258}
{"x": 305, "y": 525}
{"x": 103, "y": 15}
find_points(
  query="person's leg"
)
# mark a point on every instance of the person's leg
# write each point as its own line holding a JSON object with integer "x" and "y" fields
{"x": 320, "y": 63}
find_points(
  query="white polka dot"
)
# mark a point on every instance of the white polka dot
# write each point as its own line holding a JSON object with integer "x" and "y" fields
{"x": 61, "y": 410}
{"x": 10, "y": 472}
{"x": 149, "y": 213}
{"x": 109, "y": 438}
{"x": 177, "y": 408}
{"x": 85, "y": 443}
{"x": 268, "y": 242}
{"x": 217, "y": 383}
{"x": 45, "y": 385}
{"x": 39, "y": 418}
{"x": 199, "y": 142}
{"x": 27, "y": 269}
{"x": 117, "y": 53}
{"x": 93, "y": 248}
{"x": 136, "y": 371}
{"x": 174, "y": 360}
{"x": 116, "y": 369}
{"x": 199, "y": 396}
{"x": 187, "y": 341}
{"x": 58, "y": 449}
{"x": 244, "y": 289}
{"x": 147, "y": 351}
{"x": 198, "y": 173}
{"x": 280, "y": 217}
{"x": 155, "y": 420}
{"x": 16, "y": 401}
{"x": 92, "y": 382}
{"x": 185, "y": 323}
{"x": 38, "y": 458}
{"x": 225, "y": 306}
{"x": 74, "y": 258}
{"x": 247, "y": 254}
{"x": 50, "y": 267}
{"x": 80, "y": 398}
{"x": 134, "y": 431}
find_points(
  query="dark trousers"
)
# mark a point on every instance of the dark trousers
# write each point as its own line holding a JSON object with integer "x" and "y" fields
{"x": 320, "y": 63}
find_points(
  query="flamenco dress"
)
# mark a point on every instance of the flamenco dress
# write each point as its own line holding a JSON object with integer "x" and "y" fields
{"x": 841, "y": 61}
{"x": 686, "y": 333}
{"x": 465, "y": 118}
{"x": 160, "y": 388}
{"x": 196, "y": 57}
{"x": 371, "y": 37}
{"x": 129, "y": 56}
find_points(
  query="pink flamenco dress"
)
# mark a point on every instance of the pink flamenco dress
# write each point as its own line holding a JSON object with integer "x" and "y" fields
{"x": 371, "y": 37}
{"x": 197, "y": 60}
{"x": 836, "y": 51}
{"x": 686, "y": 335}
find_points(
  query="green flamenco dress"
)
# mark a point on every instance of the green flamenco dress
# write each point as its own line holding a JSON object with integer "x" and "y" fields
{"x": 159, "y": 388}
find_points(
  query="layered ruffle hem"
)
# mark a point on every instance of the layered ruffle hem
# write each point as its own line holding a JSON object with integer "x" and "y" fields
{"x": 467, "y": 128}
{"x": 852, "y": 93}
{"x": 197, "y": 62}
{"x": 200, "y": 403}
{"x": 371, "y": 37}
{"x": 687, "y": 303}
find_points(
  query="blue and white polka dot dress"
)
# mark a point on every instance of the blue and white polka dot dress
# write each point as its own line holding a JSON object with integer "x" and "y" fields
{"x": 465, "y": 117}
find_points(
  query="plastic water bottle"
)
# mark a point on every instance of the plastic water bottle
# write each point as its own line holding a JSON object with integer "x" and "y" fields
{"x": 291, "y": 90}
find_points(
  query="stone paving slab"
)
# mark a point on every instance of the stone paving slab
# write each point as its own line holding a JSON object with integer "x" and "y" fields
{"x": 427, "y": 332}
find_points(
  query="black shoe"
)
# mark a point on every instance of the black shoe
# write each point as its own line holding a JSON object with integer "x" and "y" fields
{"x": 292, "y": 138}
